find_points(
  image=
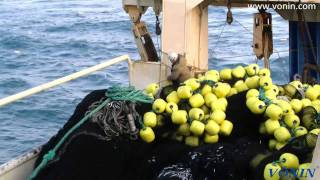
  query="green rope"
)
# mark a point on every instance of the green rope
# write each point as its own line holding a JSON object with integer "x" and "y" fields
{"x": 263, "y": 97}
{"x": 115, "y": 93}
{"x": 208, "y": 82}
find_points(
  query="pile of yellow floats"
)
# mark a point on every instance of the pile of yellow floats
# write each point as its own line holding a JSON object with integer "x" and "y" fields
{"x": 284, "y": 168}
{"x": 206, "y": 94}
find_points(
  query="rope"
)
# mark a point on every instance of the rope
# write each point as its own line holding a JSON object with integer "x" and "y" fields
{"x": 245, "y": 55}
{"x": 211, "y": 52}
{"x": 248, "y": 55}
{"x": 222, "y": 29}
{"x": 115, "y": 93}
{"x": 276, "y": 51}
{"x": 263, "y": 97}
{"x": 117, "y": 118}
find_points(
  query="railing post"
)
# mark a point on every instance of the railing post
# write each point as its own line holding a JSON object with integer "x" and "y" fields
{"x": 63, "y": 80}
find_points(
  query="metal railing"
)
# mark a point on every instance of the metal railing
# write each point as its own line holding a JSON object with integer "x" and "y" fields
{"x": 57, "y": 82}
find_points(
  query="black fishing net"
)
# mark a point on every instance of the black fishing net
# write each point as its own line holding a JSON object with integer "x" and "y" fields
{"x": 106, "y": 148}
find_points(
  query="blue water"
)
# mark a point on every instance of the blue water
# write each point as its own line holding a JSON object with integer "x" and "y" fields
{"x": 41, "y": 40}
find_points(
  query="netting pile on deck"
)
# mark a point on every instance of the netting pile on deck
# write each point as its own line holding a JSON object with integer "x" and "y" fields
{"x": 216, "y": 126}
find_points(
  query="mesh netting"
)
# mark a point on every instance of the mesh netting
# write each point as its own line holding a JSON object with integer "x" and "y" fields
{"x": 106, "y": 147}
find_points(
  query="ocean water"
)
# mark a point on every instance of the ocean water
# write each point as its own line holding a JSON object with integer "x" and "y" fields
{"x": 41, "y": 40}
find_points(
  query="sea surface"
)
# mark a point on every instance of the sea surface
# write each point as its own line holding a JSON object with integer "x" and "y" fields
{"x": 41, "y": 40}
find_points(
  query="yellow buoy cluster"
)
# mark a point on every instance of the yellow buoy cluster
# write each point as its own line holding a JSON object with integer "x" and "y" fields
{"x": 204, "y": 120}
{"x": 207, "y": 94}
{"x": 285, "y": 166}
{"x": 281, "y": 109}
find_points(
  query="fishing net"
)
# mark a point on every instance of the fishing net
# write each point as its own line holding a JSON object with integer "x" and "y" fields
{"x": 116, "y": 119}
{"x": 107, "y": 147}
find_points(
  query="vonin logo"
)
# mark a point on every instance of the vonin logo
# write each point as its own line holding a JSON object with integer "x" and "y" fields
{"x": 287, "y": 6}
{"x": 285, "y": 172}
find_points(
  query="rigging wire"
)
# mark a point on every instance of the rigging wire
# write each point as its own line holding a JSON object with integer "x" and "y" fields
{"x": 309, "y": 38}
{"x": 158, "y": 33}
{"x": 244, "y": 27}
{"x": 221, "y": 32}
{"x": 304, "y": 30}
{"x": 212, "y": 51}
{"x": 246, "y": 55}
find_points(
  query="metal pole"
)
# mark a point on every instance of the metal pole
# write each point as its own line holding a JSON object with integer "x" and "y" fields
{"x": 62, "y": 80}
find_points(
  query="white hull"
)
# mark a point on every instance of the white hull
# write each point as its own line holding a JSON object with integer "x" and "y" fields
{"x": 19, "y": 168}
